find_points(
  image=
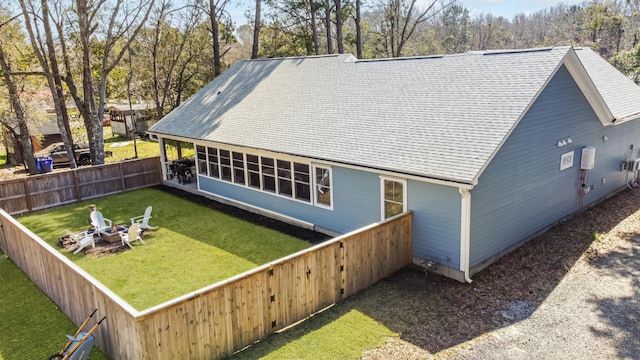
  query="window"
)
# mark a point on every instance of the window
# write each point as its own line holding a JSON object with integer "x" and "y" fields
{"x": 322, "y": 182}
{"x": 202, "y": 160}
{"x": 238, "y": 168}
{"x": 253, "y": 167}
{"x": 268, "y": 175}
{"x": 394, "y": 200}
{"x": 214, "y": 169}
{"x": 225, "y": 165}
{"x": 284, "y": 178}
{"x": 301, "y": 178}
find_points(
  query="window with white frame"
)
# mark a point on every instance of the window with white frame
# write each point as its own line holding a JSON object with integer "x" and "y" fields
{"x": 394, "y": 196}
{"x": 322, "y": 184}
{"x": 214, "y": 166}
{"x": 253, "y": 169}
{"x": 302, "y": 185}
{"x": 283, "y": 177}
{"x": 238, "y": 168}
{"x": 225, "y": 165}
{"x": 201, "y": 154}
{"x": 268, "y": 175}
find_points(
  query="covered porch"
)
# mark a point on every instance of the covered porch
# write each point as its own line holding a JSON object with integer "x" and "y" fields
{"x": 178, "y": 164}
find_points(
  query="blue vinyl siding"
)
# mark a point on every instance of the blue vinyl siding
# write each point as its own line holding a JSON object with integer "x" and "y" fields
{"x": 436, "y": 222}
{"x": 436, "y": 218}
{"x": 523, "y": 191}
{"x": 356, "y": 197}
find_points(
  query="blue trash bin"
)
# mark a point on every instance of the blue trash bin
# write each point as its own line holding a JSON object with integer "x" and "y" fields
{"x": 47, "y": 165}
{"x": 39, "y": 164}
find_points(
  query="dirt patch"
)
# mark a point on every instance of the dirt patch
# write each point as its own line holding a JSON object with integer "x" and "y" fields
{"x": 102, "y": 247}
{"x": 571, "y": 293}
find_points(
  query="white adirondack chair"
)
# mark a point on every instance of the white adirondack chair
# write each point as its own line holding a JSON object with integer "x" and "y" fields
{"x": 131, "y": 235}
{"x": 83, "y": 239}
{"x": 100, "y": 223}
{"x": 143, "y": 220}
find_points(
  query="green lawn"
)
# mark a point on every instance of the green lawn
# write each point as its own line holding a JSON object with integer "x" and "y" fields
{"x": 31, "y": 326}
{"x": 194, "y": 245}
{"x": 123, "y": 148}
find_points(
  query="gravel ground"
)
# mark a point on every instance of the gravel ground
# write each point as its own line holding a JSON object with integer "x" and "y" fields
{"x": 572, "y": 293}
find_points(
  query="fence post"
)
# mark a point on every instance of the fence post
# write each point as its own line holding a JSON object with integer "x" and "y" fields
{"x": 26, "y": 194}
{"x": 76, "y": 186}
{"x": 122, "y": 182}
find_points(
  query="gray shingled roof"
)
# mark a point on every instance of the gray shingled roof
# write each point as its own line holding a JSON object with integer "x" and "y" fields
{"x": 441, "y": 117}
{"x": 621, "y": 95}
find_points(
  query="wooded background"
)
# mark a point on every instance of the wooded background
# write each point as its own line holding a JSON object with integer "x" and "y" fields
{"x": 74, "y": 56}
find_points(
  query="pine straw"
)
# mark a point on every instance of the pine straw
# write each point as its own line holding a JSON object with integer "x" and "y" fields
{"x": 435, "y": 315}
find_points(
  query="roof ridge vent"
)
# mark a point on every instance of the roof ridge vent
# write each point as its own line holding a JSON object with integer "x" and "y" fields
{"x": 400, "y": 58}
{"x": 517, "y": 51}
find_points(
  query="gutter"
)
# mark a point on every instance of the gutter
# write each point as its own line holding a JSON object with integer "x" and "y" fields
{"x": 465, "y": 231}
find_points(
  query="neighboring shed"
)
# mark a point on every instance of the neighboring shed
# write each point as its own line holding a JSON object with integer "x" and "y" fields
{"x": 126, "y": 118}
{"x": 44, "y": 132}
{"x": 486, "y": 148}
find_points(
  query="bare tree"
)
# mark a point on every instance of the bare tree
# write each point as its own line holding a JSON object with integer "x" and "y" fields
{"x": 14, "y": 97}
{"x": 327, "y": 25}
{"x": 216, "y": 12}
{"x": 313, "y": 8}
{"x": 401, "y": 17}
{"x": 256, "y": 31}
{"x": 358, "y": 31}
{"x": 339, "y": 37}
{"x": 47, "y": 58}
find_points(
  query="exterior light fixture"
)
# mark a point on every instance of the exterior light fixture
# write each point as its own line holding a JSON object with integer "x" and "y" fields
{"x": 564, "y": 142}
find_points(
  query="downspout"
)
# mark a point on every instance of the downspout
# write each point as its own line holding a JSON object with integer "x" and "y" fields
{"x": 465, "y": 232}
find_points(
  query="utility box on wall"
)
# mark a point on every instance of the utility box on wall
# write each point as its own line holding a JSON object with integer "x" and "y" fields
{"x": 588, "y": 158}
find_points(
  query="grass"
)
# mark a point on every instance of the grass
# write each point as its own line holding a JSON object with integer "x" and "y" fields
{"x": 122, "y": 148}
{"x": 31, "y": 326}
{"x": 194, "y": 245}
{"x": 340, "y": 333}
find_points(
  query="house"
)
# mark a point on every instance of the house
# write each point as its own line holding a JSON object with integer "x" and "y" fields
{"x": 487, "y": 149}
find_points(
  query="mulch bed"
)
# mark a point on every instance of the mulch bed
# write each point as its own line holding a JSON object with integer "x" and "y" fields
{"x": 311, "y": 236}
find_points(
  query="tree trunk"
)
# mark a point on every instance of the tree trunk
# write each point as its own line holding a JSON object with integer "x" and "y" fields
{"x": 25, "y": 137}
{"x": 314, "y": 30}
{"x": 217, "y": 66}
{"x": 86, "y": 107}
{"x": 339, "y": 27}
{"x": 256, "y": 31}
{"x": 327, "y": 24}
{"x": 358, "y": 32}
{"x": 56, "y": 88}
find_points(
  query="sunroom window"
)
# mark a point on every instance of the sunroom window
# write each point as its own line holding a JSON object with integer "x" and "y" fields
{"x": 301, "y": 178}
{"x": 238, "y": 168}
{"x": 253, "y": 167}
{"x": 225, "y": 165}
{"x": 214, "y": 169}
{"x": 268, "y": 175}
{"x": 284, "y": 178}
{"x": 201, "y": 153}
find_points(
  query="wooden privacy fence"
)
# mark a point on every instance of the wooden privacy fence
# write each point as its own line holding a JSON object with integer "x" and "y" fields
{"x": 225, "y": 317}
{"x": 39, "y": 192}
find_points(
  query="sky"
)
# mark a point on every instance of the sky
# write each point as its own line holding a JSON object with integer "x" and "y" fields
{"x": 509, "y": 8}
{"x": 505, "y": 8}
